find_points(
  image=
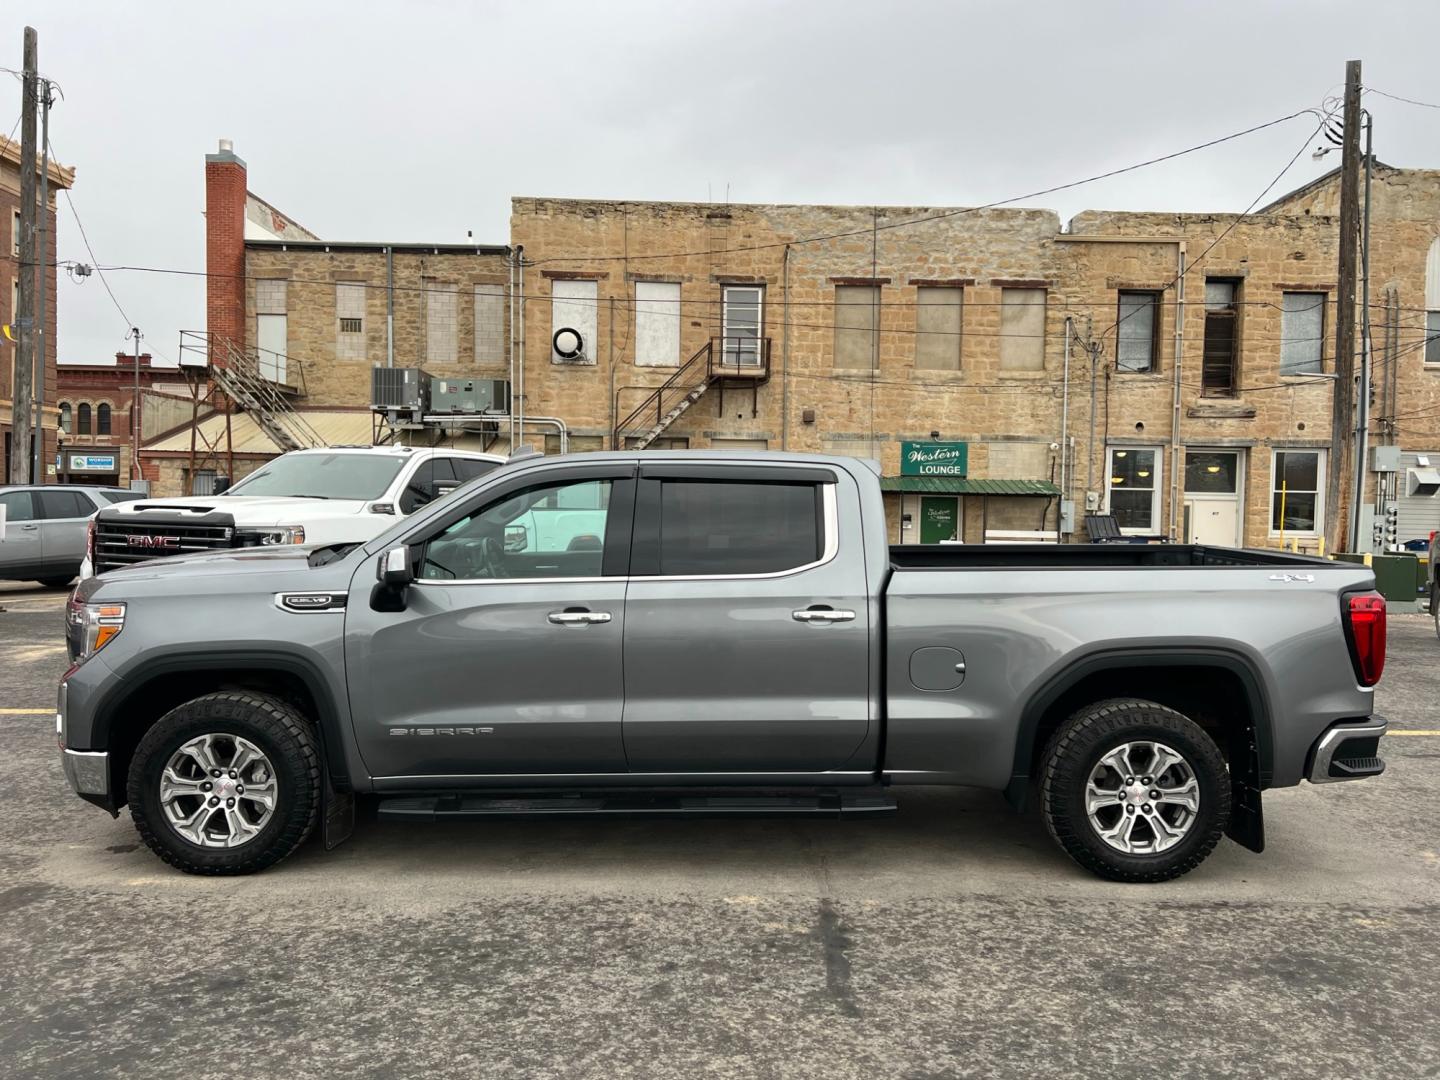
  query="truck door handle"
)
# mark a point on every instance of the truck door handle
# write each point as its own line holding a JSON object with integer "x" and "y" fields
{"x": 578, "y": 617}
{"x": 822, "y": 615}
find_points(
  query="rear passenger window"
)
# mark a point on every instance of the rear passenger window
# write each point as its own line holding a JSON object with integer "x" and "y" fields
{"x": 470, "y": 468}
{"x": 723, "y": 527}
{"x": 64, "y": 504}
{"x": 17, "y": 506}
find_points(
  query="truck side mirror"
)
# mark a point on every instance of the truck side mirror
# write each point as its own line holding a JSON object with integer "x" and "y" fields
{"x": 393, "y": 578}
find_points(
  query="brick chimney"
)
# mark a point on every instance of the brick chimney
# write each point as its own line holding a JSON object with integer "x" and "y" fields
{"x": 225, "y": 184}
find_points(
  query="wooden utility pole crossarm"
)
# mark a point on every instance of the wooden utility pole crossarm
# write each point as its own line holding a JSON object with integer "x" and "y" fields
{"x": 1342, "y": 420}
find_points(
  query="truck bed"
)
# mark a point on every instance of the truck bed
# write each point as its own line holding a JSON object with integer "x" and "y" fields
{"x": 1083, "y": 556}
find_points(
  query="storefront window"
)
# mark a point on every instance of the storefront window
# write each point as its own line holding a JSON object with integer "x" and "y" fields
{"x": 1134, "y": 491}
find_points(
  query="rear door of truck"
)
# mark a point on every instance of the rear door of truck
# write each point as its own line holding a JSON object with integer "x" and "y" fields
{"x": 748, "y": 627}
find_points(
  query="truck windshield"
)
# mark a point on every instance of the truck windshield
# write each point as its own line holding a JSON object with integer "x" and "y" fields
{"x": 323, "y": 476}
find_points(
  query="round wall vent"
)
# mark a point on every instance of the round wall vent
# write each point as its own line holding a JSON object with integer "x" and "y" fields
{"x": 567, "y": 343}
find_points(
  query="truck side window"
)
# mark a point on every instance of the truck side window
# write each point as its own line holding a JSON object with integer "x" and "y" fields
{"x": 470, "y": 468}
{"x": 548, "y": 531}
{"x": 432, "y": 478}
{"x": 17, "y": 506}
{"x": 725, "y": 527}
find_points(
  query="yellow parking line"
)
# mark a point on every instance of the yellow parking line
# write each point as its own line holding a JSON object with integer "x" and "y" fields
{"x": 27, "y": 712}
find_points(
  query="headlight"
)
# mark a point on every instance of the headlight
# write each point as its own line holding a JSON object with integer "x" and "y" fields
{"x": 102, "y": 624}
{"x": 275, "y": 534}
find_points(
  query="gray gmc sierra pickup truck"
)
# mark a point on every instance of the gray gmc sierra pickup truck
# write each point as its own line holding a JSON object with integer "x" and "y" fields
{"x": 702, "y": 632}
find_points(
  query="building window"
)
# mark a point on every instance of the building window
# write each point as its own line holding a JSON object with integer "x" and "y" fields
{"x": 65, "y": 417}
{"x": 1297, "y": 478}
{"x": 657, "y": 323}
{"x": 1133, "y": 489}
{"x": 1432, "y": 303}
{"x": 1432, "y": 337}
{"x": 1302, "y": 333}
{"x": 350, "y": 313}
{"x": 939, "y": 317}
{"x": 203, "y": 482}
{"x": 1022, "y": 329}
{"x": 102, "y": 420}
{"x": 1135, "y": 331}
{"x": 1217, "y": 373}
{"x": 82, "y": 420}
{"x": 856, "y": 311}
{"x": 489, "y": 324}
{"x": 271, "y": 328}
{"x": 442, "y": 331}
{"x": 574, "y": 306}
{"x": 15, "y": 235}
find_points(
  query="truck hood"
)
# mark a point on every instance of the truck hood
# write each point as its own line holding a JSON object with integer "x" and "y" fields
{"x": 246, "y": 510}
{"x": 288, "y": 558}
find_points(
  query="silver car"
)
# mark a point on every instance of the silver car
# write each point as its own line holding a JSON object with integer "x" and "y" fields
{"x": 42, "y": 531}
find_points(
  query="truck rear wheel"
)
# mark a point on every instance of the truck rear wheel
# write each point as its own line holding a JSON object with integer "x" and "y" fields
{"x": 228, "y": 783}
{"x": 1134, "y": 791}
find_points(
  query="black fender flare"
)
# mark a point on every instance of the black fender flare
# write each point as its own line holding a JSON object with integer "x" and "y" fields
{"x": 1253, "y": 776}
{"x": 327, "y": 718}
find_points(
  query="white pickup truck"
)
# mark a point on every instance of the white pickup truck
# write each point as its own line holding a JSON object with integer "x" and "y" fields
{"x": 333, "y": 495}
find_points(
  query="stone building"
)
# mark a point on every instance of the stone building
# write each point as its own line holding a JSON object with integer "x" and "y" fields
{"x": 61, "y": 177}
{"x": 1010, "y": 373}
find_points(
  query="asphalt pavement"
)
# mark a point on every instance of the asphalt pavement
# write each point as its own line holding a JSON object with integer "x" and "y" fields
{"x": 950, "y": 940}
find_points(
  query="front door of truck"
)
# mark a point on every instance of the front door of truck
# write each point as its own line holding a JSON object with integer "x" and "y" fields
{"x": 507, "y": 657}
{"x": 747, "y": 627}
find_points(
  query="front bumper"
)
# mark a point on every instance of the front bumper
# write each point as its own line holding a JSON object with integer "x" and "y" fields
{"x": 1348, "y": 751}
{"x": 88, "y": 772}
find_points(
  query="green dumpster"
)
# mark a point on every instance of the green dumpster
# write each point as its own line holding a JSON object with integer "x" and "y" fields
{"x": 1395, "y": 576}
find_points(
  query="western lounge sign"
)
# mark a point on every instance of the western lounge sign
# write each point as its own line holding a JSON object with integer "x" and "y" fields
{"x": 934, "y": 458}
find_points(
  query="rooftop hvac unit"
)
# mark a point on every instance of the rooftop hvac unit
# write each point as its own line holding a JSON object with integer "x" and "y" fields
{"x": 399, "y": 391}
{"x": 470, "y": 396}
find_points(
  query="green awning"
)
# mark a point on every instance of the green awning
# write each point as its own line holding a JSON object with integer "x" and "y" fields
{"x": 954, "y": 485}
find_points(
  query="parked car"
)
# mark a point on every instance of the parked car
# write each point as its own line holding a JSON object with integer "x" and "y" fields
{"x": 340, "y": 494}
{"x": 741, "y": 640}
{"x": 44, "y": 533}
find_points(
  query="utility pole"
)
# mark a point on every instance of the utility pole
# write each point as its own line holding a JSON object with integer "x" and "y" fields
{"x": 1362, "y": 399}
{"x": 42, "y": 246}
{"x": 135, "y": 412}
{"x": 1342, "y": 420}
{"x": 24, "y": 319}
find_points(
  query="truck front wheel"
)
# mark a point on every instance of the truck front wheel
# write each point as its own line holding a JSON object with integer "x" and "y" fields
{"x": 228, "y": 783}
{"x": 1134, "y": 791}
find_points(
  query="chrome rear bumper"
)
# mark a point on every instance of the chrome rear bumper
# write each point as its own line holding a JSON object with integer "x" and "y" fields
{"x": 1348, "y": 751}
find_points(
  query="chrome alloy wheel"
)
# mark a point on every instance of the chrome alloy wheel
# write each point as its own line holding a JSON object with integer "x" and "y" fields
{"x": 218, "y": 791}
{"x": 1142, "y": 798}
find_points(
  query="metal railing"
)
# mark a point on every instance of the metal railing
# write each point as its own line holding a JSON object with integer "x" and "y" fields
{"x": 744, "y": 358}
{"x": 239, "y": 374}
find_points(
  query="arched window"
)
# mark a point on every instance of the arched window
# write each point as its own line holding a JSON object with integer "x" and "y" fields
{"x": 102, "y": 420}
{"x": 82, "y": 420}
{"x": 65, "y": 417}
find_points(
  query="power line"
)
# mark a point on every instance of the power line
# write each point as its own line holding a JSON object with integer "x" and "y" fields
{"x": 959, "y": 210}
{"x": 1397, "y": 97}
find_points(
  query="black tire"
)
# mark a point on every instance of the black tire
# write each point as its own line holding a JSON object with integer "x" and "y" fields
{"x": 273, "y": 725}
{"x": 56, "y": 582}
{"x": 1077, "y": 748}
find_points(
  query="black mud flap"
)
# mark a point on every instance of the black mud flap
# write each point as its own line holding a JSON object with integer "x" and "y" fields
{"x": 1247, "y": 817}
{"x": 337, "y": 813}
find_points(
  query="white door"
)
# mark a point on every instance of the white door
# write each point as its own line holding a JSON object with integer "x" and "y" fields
{"x": 1214, "y": 522}
{"x": 740, "y": 324}
{"x": 270, "y": 343}
{"x": 1213, "y": 482}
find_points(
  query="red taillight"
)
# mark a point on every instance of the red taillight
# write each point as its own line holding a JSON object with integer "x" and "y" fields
{"x": 1366, "y": 612}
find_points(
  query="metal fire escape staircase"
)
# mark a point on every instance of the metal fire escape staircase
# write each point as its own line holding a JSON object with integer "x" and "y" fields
{"x": 242, "y": 378}
{"x": 712, "y": 365}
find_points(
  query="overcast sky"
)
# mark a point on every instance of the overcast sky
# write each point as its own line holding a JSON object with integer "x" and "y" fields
{"x": 417, "y": 121}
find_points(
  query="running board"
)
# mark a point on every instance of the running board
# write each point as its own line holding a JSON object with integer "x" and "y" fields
{"x": 461, "y": 807}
